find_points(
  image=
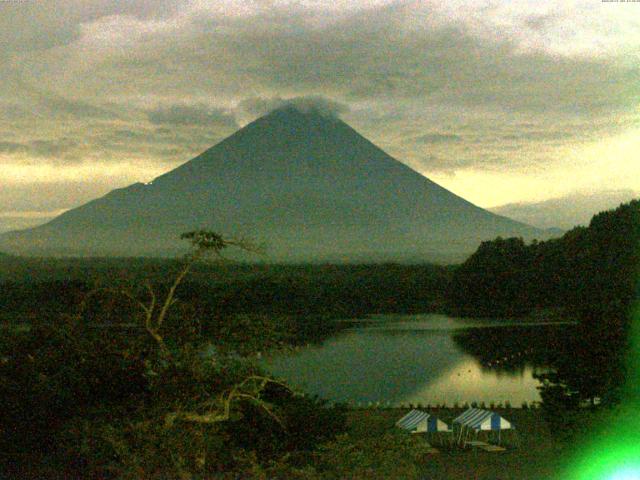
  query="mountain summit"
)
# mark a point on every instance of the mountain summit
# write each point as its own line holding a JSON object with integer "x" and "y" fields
{"x": 304, "y": 183}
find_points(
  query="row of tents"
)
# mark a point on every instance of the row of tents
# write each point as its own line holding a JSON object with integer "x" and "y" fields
{"x": 469, "y": 424}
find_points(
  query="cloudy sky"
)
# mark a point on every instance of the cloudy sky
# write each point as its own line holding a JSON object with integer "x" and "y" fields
{"x": 501, "y": 101}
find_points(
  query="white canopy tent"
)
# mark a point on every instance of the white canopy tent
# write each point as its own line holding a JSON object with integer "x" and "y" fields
{"x": 476, "y": 420}
{"x": 417, "y": 421}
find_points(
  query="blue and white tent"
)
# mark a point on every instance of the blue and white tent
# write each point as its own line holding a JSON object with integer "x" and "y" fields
{"x": 417, "y": 421}
{"x": 478, "y": 420}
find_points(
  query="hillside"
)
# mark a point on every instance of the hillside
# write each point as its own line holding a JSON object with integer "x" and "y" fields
{"x": 589, "y": 272}
{"x": 306, "y": 185}
{"x": 565, "y": 212}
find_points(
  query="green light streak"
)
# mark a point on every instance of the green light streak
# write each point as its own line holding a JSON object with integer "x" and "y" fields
{"x": 627, "y": 474}
{"x": 613, "y": 452}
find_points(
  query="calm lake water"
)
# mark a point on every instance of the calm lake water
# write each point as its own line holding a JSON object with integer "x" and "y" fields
{"x": 428, "y": 359}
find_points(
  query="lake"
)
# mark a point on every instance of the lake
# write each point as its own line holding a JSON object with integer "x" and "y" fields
{"x": 424, "y": 359}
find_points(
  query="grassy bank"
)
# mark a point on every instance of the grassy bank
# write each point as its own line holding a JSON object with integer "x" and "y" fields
{"x": 539, "y": 454}
{"x": 373, "y": 448}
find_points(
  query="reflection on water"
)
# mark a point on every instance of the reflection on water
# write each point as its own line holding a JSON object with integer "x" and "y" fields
{"x": 468, "y": 382}
{"x": 428, "y": 359}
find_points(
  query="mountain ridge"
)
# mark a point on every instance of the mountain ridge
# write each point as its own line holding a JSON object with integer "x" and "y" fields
{"x": 565, "y": 212}
{"x": 307, "y": 184}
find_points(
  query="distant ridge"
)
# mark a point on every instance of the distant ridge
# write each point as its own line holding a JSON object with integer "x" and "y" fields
{"x": 307, "y": 185}
{"x": 568, "y": 211}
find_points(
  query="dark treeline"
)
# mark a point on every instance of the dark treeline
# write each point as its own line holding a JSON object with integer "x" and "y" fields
{"x": 36, "y": 290}
{"x": 103, "y": 385}
{"x": 589, "y": 275}
{"x": 587, "y": 272}
{"x": 85, "y": 402}
{"x": 95, "y": 388}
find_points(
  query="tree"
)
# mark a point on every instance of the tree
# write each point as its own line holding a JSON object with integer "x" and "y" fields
{"x": 494, "y": 281}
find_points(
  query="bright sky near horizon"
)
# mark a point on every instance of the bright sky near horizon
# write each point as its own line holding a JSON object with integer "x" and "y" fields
{"x": 499, "y": 101}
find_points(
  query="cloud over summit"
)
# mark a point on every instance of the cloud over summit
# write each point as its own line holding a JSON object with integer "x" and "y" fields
{"x": 452, "y": 88}
{"x": 258, "y": 106}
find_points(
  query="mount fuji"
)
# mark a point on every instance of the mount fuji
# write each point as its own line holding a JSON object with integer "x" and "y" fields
{"x": 304, "y": 183}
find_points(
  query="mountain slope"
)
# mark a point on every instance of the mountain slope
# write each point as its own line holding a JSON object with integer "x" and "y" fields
{"x": 308, "y": 186}
{"x": 568, "y": 211}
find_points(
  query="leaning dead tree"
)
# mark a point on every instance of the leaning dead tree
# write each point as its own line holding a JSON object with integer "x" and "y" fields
{"x": 219, "y": 409}
{"x": 154, "y": 310}
{"x": 205, "y": 243}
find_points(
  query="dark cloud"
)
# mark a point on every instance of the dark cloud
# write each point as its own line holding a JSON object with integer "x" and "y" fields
{"x": 395, "y": 52}
{"x": 13, "y": 147}
{"x": 540, "y": 22}
{"x": 60, "y": 149}
{"x": 37, "y": 102}
{"x": 442, "y": 163}
{"x": 113, "y": 143}
{"x": 82, "y": 77}
{"x": 542, "y": 135}
{"x": 383, "y": 58}
{"x": 127, "y": 137}
{"x": 12, "y": 111}
{"x": 32, "y": 25}
{"x": 52, "y": 148}
{"x": 59, "y": 105}
{"x": 127, "y": 134}
{"x": 17, "y": 32}
{"x": 201, "y": 115}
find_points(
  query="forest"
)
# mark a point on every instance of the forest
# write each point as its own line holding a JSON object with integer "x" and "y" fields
{"x": 147, "y": 368}
{"x": 589, "y": 275}
{"x": 589, "y": 271}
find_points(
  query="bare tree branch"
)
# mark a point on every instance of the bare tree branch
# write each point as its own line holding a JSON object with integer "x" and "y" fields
{"x": 240, "y": 391}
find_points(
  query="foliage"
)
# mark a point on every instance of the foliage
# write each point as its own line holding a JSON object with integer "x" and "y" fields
{"x": 495, "y": 281}
{"x": 590, "y": 274}
{"x": 390, "y": 455}
{"x": 213, "y": 291}
{"x": 115, "y": 393}
{"x": 522, "y": 345}
{"x": 306, "y": 422}
{"x": 178, "y": 430}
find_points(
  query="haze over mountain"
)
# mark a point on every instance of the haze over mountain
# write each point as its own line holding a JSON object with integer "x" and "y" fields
{"x": 24, "y": 220}
{"x": 301, "y": 181}
{"x": 565, "y": 212}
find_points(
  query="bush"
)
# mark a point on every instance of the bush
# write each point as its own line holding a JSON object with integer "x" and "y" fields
{"x": 390, "y": 455}
{"x": 55, "y": 372}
